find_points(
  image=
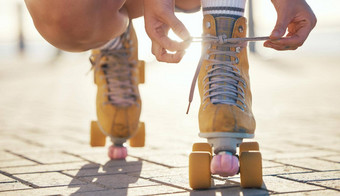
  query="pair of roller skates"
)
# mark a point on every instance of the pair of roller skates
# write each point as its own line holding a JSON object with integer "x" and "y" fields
{"x": 225, "y": 115}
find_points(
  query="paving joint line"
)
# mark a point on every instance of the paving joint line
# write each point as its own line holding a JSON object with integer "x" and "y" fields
{"x": 19, "y": 179}
{"x": 28, "y": 141}
{"x": 314, "y": 170}
{"x": 166, "y": 193}
{"x": 320, "y": 158}
{"x": 306, "y": 182}
{"x": 22, "y": 156}
{"x": 303, "y": 191}
{"x": 153, "y": 162}
{"x": 84, "y": 180}
{"x": 79, "y": 156}
{"x": 164, "y": 183}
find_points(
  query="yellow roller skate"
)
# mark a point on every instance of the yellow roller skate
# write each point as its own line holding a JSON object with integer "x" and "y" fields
{"x": 117, "y": 73}
{"x": 225, "y": 115}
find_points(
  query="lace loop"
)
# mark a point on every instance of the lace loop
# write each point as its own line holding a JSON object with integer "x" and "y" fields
{"x": 118, "y": 72}
{"x": 230, "y": 76}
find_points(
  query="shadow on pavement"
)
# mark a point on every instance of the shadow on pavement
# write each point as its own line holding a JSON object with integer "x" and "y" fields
{"x": 230, "y": 188}
{"x": 110, "y": 177}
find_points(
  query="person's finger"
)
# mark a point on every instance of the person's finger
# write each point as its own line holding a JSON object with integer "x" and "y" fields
{"x": 279, "y": 46}
{"x": 294, "y": 39}
{"x": 178, "y": 27}
{"x": 160, "y": 36}
{"x": 163, "y": 56}
{"x": 280, "y": 26}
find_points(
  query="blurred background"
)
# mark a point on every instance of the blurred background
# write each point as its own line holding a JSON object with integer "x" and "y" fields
{"x": 18, "y": 35}
{"x": 41, "y": 86}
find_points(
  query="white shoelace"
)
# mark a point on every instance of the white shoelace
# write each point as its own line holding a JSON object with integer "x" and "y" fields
{"x": 225, "y": 82}
{"x": 118, "y": 74}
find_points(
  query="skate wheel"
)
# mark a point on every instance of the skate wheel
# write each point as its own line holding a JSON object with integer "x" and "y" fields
{"x": 199, "y": 170}
{"x": 138, "y": 140}
{"x": 117, "y": 152}
{"x": 224, "y": 165}
{"x": 251, "y": 169}
{"x": 141, "y": 69}
{"x": 97, "y": 137}
{"x": 202, "y": 147}
{"x": 249, "y": 146}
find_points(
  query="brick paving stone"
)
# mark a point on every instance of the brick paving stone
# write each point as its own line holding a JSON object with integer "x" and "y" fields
{"x": 311, "y": 163}
{"x": 130, "y": 167}
{"x": 182, "y": 180}
{"x": 10, "y": 186}
{"x": 283, "y": 170}
{"x": 160, "y": 172}
{"x": 299, "y": 154}
{"x": 314, "y": 176}
{"x": 50, "y": 157}
{"x": 175, "y": 160}
{"x": 63, "y": 190}
{"x": 119, "y": 181}
{"x": 49, "y": 179}
{"x": 138, "y": 191}
{"x": 6, "y": 179}
{"x": 335, "y": 158}
{"x": 16, "y": 163}
{"x": 268, "y": 163}
{"x": 280, "y": 185}
{"x": 5, "y": 156}
{"x": 335, "y": 184}
{"x": 103, "y": 159}
{"x": 48, "y": 168}
{"x": 225, "y": 191}
{"x": 313, "y": 193}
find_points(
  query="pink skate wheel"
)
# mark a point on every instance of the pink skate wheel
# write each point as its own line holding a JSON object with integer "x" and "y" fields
{"x": 224, "y": 165}
{"x": 117, "y": 152}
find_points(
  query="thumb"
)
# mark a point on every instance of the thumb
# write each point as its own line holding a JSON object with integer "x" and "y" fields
{"x": 280, "y": 27}
{"x": 179, "y": 29}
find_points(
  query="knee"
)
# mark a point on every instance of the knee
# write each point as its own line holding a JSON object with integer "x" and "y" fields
{"x": 77, "y": 29}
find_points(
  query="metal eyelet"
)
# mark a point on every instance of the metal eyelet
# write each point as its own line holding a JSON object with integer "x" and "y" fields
{"x": 238, "y": 49}
{"x": 208, "y": 25}
{"x": 240, "y": 29}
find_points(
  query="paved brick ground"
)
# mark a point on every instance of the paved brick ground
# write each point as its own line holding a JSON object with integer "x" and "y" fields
{"x": 46, "y": 108}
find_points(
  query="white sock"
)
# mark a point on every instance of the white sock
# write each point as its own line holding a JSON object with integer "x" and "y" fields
{"x": 112, "y": 44}
{"x": 228, "y": 8}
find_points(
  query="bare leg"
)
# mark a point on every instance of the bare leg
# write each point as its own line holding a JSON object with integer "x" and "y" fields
{"x": 80, "y": 25}
{"x": 188, "y": 4}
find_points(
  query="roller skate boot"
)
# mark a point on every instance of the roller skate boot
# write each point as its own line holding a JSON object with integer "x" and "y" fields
{"x": 225, "y": 114}
{"x": 117, "y": 73}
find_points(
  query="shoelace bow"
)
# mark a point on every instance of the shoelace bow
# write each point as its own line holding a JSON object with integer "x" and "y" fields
{"x": 230, "y": 76}
{"x": 118, "y": 73}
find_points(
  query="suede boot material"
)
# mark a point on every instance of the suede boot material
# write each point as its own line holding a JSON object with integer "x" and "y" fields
{"x": 224, "y": 117}
{"x": 116, "y": 120}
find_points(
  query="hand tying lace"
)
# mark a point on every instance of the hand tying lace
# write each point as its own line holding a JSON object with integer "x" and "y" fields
{"x": 223, "y": 77}
{"x": 118, "y": 72}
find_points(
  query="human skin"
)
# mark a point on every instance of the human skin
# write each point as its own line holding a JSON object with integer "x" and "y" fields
{"x": 294, "y": 15}
{"x": 80, "y": 25}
